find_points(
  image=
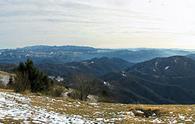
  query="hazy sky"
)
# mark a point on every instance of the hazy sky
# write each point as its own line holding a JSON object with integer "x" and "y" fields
{"x": 98, "y": 23}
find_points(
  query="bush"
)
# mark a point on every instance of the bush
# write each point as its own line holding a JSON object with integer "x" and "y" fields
{"x": 75, "y": 94}
{"x": 56, "y": 91}
{"x": 84, "y": 87}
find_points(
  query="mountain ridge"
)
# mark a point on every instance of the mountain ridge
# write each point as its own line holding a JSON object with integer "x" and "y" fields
{"x": 141, "y": 80}
{"x": 64, "y": 54}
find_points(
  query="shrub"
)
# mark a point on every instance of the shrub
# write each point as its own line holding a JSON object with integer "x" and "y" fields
{"x": 84, "y": 86}
{"x": 56, "y": 91}
{"x": 75, "y": 94}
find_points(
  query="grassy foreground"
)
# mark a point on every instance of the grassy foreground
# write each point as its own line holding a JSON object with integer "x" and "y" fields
{"x": 115, "y": 113}
{"x": 119, "y": 113}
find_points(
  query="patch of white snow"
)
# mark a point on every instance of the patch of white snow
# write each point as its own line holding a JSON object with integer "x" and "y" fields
{"x": 167, "y": 67}
{"x": 18, "y": 107}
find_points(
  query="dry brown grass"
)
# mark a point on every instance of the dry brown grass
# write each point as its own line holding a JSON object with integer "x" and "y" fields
{"x": 6, "y": 90}
{"x": 109, "y": 110}
{"x": 2, "y": 73}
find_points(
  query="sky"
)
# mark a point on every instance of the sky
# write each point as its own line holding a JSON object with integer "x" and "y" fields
{"x": 98, "y": 23}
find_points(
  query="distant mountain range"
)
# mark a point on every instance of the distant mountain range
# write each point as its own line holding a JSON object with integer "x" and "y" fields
{"x": 64, "y": 54}
{"x": 156, "y": 76}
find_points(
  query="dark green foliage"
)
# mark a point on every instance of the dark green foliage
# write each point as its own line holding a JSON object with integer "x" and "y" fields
{"x": 28, "y": 77}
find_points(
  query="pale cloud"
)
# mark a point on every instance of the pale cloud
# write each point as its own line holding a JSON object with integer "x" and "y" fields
{"x": 99, "y": 23}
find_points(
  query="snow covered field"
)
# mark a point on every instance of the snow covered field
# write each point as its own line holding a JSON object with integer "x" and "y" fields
{"x": 17, "y": 107}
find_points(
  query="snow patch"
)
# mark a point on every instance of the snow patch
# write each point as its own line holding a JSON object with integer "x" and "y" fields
{"x": 27, "y": 55}
{"x": 59, "y": 79}
{"x": 106, "y": 83}
{"x": 175, "y": 60}
{"x": 156, "y": 64}
{"x": 181, "y": 117}
{"x": 124, "y": 75}
{"x": 167, "y": 67}
{"x": 157, "y": 121}
{"x": 18, "y": 107}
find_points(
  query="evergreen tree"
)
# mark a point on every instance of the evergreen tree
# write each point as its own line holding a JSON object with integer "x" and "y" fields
{"x": 28, "y": 77}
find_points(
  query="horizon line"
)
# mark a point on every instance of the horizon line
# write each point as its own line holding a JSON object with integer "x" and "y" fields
{"x": 117, "y": 48}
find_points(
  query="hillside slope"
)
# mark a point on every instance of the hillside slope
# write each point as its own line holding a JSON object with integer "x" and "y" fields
{"x": 94, "y": 67}
{"x": 176, "y": 70}
{"x": 133, "y": 89}
{"x": 158, "y": 81}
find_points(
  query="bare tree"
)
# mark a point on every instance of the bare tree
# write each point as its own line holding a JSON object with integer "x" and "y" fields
{"x": 84, "y": 85}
